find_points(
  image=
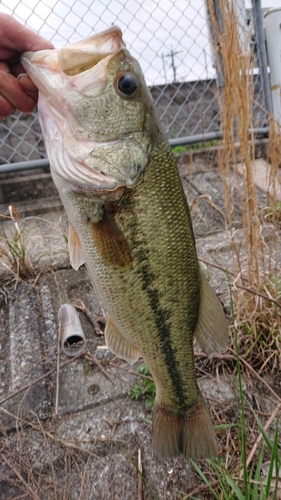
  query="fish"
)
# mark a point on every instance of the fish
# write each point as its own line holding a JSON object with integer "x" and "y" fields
{"x": 130, "y": 223}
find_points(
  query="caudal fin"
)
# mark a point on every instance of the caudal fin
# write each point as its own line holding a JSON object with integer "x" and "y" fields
{"x": 192, "y": 435}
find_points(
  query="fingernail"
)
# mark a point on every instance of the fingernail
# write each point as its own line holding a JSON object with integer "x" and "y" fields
{"x": 20, "y": 76}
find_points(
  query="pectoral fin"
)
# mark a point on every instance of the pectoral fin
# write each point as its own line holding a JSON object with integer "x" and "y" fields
{"x": 111, "y": 243}
{"x": 117, "y": 343}
{"x": 75, "y": 249}
{"x": 211, "y": 329}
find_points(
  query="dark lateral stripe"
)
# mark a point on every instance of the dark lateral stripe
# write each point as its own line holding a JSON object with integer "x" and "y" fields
{"x": 161, "y": 316}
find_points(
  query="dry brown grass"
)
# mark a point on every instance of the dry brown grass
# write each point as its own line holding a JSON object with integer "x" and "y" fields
{"x": 38, "y": 465}
{"x": 256, "y": 245}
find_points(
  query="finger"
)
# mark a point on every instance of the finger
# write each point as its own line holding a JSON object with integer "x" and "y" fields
{"x": 26, "y": 83}
{"x": 4, "y": 67}
{"x": 6, "y": 108}
{"x": 18, "y": 71}
{"x": 18, "y": 38}
{"x": 12, "y": 91}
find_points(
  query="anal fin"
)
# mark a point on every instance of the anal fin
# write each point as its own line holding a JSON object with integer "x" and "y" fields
{"x": 117, "y": 343}
{"x": 75, "y": 249}
{"x": 211, "y": 328}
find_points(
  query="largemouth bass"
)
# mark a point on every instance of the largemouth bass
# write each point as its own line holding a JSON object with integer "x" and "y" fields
{"x": 130, "y": 223}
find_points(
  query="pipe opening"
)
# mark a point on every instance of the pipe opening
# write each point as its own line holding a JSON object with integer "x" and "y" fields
{"x": 72, "y": 336}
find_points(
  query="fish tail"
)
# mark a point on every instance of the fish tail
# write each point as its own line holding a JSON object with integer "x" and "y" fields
{"x": 191, "y": 435}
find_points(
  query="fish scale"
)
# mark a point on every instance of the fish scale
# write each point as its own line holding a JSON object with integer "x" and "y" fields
{"x": 130, "y": 224}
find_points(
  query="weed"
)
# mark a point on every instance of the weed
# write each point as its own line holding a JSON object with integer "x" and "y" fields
{"x": 246, "y": 482}
{"x": 12, "y": 246}
{"x": 258, "y": 481}
{"x": 196, "y": 146}
{"x": 273, "y": 213}
{"x": 144, "y": 388}
{"x": 179, "y": 149}
{"x": 255, "y": 243}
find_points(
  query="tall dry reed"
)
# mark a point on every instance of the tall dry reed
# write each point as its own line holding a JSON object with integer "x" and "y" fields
{"x": 255, "y": 241}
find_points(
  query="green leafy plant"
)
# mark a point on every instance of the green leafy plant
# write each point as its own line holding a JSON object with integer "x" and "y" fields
{"x": 145, "y": 387}
{"x": 273, "y": 213}
{"x": 12, "y": 246}
{"x": 181, "y": 148}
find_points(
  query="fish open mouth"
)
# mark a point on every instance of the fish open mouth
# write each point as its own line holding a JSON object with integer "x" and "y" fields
{"x": 90, "y": 51}
{"x": 74, "y": 59}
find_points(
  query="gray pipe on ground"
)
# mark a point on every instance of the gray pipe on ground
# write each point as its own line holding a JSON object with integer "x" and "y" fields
{"x": 72, "y": 336}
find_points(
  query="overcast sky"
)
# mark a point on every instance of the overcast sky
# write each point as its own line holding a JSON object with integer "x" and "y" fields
{"x": 152, "y": 29}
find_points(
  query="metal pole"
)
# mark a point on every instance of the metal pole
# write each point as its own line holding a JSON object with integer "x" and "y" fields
{"x": 261, "y": 54}
{"x": 192, "y": 139}
{"x": 211, "y": 136}
{"x": 220, "y": 24}
{"x": 23, "y": 165}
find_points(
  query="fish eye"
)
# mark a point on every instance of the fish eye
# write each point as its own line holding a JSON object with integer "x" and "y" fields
{"x": 127, "y": 84}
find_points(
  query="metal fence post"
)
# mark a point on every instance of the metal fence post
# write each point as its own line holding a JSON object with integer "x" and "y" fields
{"x": 261, "y": 54}
{"x": 219, "y": 20}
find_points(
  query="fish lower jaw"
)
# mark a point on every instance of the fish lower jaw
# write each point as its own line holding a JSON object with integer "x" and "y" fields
{"x": 100, "y": 187}
{"x": 113, "y": 191}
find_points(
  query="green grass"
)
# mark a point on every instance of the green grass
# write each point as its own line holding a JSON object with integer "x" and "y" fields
{"x": 199, "y": 145}
{"x": 247, "y": 483}
{"x": 145, "y": 388}
{"x": 12, "y": 246}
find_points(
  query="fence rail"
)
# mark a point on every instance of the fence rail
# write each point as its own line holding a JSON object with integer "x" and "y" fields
{"x": 170, "y": 39}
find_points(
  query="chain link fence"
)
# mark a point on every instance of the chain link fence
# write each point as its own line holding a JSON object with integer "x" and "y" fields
{"x": 170, "y": 39}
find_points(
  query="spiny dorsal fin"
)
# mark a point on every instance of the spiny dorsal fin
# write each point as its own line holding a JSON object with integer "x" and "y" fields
{"x": 211, "y": 328}
{"x": 111, "y": 243}
{"x": 75, "y": 249}
{"x": 117, "y": 343}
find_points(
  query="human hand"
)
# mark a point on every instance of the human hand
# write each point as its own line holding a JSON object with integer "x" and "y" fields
{"x": 17, "y": 91}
